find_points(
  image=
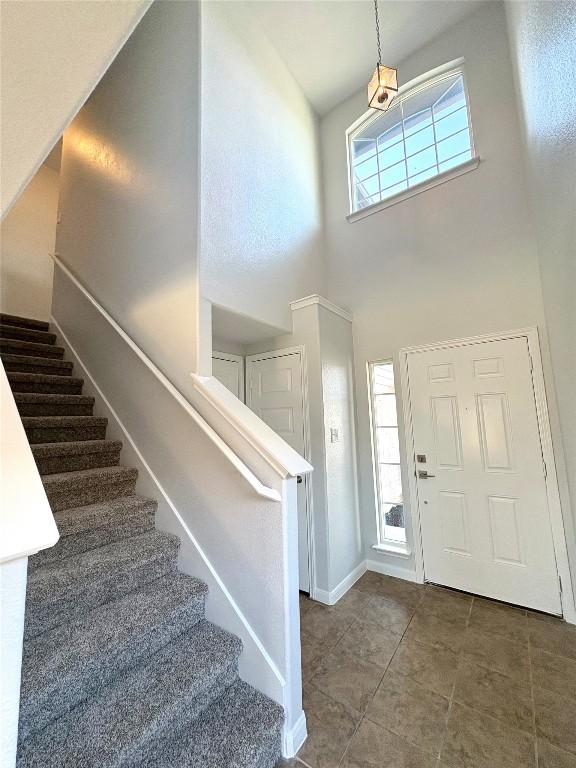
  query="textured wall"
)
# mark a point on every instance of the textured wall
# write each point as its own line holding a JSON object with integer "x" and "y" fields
{"x": 27, "y": 236}
{"x": 260, "y": 243}
{"x": 53, "y": 54}
{"x": 543, "y": 44}
{"x": 457, "y": 260}
{"x": 129, "y": 189}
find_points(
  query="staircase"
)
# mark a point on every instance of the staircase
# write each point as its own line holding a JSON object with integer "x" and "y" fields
{"x": 120, "y": 667}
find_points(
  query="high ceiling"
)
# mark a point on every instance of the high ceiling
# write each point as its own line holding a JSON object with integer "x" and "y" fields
{"x": 330, "y": 45}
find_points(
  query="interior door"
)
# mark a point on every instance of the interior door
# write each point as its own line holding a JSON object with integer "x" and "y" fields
{"x": 275, "y": 393}
{"x": 229, "y": 370}
{"x": 480, "y": 474}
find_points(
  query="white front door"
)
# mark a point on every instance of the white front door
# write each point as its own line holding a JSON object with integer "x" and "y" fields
{"x": 229, "y": 369}
{"x": 484, "y": 515}
{"x": 275, "y": 393}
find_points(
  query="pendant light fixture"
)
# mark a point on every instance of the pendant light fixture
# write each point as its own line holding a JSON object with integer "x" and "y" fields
{"x": 384, "y": 83}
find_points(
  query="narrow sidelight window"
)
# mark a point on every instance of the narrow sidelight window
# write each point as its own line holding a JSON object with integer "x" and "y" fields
{"x": 386, "y": 448}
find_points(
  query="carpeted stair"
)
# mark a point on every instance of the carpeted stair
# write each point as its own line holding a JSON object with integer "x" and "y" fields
{"x": 120, "y": 666}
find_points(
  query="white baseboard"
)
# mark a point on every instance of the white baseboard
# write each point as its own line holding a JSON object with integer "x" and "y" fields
{"x": 293, "y": 739}
{"x": 391, "y": 570}
{"x": 332, "y": 597}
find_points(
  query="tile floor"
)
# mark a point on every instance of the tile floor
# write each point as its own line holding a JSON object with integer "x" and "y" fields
{"x": 399, "y": 675}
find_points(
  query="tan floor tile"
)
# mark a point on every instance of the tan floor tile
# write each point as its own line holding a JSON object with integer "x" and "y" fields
{"x": 430, "y": 666}
{"x": 398, "y": 591}
{"x": 554, "y": 673}
{"x": 348, "y": 679}
{"x": 375, "y": 747}
{"x": 409, "y": 710}
{"x": 330, "y": 728}
{"x": 507, "y": 623}
{"x": 556, "y": 719}
{"x": 496, "y": 605}
{"x": 495, "y": 694}
{"x": 555, "y": 637}
{"x": 429, "y": 628}
{"x": 324, "y": 623}
{"x": 313, "y": 651}
{"x": 371, "y": 642}
{"x": 449, "y": 606}
{"x": 474, "y": 740}
{"x": 496, "y": 652}
{"x": 388, "y": 613}
{"x": 353, "y": 602}
{"x": 306, "y": 603}
{"x": 550, "y": 756}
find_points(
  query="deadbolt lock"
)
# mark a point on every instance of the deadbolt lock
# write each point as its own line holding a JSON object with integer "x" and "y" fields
{"x": 421, "y": 458}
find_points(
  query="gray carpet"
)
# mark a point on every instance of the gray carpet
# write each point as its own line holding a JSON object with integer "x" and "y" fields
{"x": 120, "y": 666}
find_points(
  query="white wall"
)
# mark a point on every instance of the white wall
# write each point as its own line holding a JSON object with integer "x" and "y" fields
{"x": 261, "y": 226}
{"x": 53, "y": 54}
{"x": 27, "y": 237}
{"x": 457, "y": 260}
{"x": 327, "y": 339}
{"x": 543, "y": 44}
{"x": 129, "y": 189}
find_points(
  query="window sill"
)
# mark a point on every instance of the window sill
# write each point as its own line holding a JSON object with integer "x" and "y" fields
{"x": 391, "y": 548}
{"x": 452, "y": 173}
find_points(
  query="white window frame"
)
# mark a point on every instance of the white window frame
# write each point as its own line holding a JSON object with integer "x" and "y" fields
{"x": 409, "y": 89}
{"x": 388, "y": 546}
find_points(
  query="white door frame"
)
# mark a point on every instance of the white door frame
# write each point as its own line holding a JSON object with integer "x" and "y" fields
{"x": 299, "y": 349}
{"x": 233, "y": 359}
{"x": 552, "y": 492}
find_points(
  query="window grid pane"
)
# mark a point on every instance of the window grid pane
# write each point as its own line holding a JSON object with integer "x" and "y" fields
{"x": 417, "y": 147}
{"x": 387, "y": 454}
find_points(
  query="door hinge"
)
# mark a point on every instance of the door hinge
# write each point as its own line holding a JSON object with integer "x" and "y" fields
{"x": 531, "y": 363}
{"x": 545, "y": 470}
{"x": 560, "y": 582}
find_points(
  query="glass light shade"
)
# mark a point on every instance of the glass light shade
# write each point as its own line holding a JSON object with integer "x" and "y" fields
{"x": 382, "y": 87}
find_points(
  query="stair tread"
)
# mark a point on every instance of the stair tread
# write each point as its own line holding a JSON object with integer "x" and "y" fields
{"x": 65, "y": 665}
{"x": 92, "y": 516}
{"x": 23, "y": 322}
{"x": 66, "y": 421}
{"x": 28, "y": 334}
{"x": 47, "y": 583}
{"x": 74, "y": 447}
{"x": 42, "y": 378}
{"x": 89, "y": 476}
{"x": 49, "y": 397}
{"x": 31, "y": 360}
{"x": 31, "y": 347}
{"x": 240, "y": 729}
{"x": 102, "y": 732}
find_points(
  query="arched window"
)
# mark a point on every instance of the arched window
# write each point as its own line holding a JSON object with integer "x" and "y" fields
{"x": 425, "y": 133}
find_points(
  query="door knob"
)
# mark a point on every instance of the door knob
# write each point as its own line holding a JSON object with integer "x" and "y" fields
{"x": 423, "y": 475}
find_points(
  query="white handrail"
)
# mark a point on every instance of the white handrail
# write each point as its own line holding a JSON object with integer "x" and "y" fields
{"x": 26, "y": 520}
{"x": 261, "y": 489}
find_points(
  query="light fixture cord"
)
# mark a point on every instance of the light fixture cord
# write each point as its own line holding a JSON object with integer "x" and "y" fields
{"x": 378, "y": 31}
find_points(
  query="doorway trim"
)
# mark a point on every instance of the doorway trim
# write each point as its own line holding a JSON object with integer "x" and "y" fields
{"x": 299, "y": 349}
{"x": 551, "y": 480}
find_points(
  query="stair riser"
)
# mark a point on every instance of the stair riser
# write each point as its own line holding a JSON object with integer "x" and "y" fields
{"x": 18, "y": 364}
{"x": 64, "y": 387}
{"x": 51, "y": 464}
{"x": 42, "y": 615}
{"x": 23, "y": 322}
{"x": 76, "y": 544}
{"x": 65, "y": 434}
{"x": 27, "y": 334}
{"x": 55, "y": 409}
{"x": 82, "y": 494}
{"x": 30, "y": 349}
{"x": 188, "y": 709}
{"x": 67, "y": 691}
